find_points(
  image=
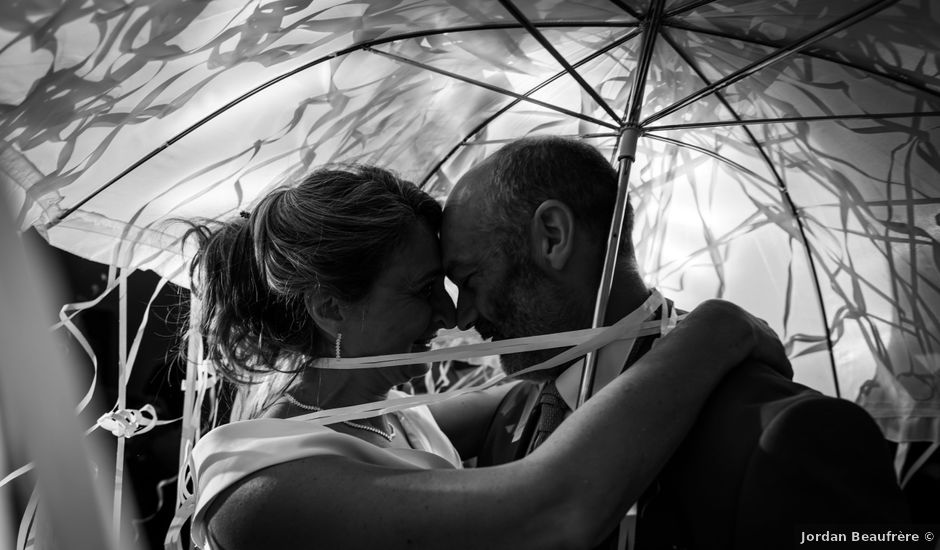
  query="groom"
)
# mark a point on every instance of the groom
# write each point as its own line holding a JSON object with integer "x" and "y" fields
{"x": 524, "y": 236}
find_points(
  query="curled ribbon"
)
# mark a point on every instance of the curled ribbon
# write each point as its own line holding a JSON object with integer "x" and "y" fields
{"x": 129, "y": 422}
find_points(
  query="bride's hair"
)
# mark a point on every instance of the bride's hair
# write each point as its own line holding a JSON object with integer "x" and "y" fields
{"x": 329, "y": 235}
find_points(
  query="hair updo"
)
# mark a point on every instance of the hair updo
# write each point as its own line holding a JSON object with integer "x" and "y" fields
{"x": 330, "y": 235}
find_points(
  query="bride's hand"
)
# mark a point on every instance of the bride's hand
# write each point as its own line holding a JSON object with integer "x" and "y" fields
{"x": 743, "y": 335}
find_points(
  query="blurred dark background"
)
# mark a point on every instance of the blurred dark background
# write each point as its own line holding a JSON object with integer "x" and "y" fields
{"x": 156, "y": 378}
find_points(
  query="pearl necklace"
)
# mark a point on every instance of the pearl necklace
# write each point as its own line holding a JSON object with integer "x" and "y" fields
{"x": 387, "y": 435}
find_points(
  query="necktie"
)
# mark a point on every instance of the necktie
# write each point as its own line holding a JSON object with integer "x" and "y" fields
{"x": 551, "y": 410}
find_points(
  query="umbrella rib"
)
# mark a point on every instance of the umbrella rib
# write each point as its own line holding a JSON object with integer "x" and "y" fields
{"x": 490, "y": 87}
{"x": 629, "y": 10}
{"x": 264, "y": 85}
{"x": 785, "y": 120}
{"x": 792, "y": 206}
{"x": 510, "y": 140}
{"x": 651, "y": 31}
{"x": 784, "y": 192}
{"x": 486, "y": 122}
{"x": 540, "y": 38}
{"x": 897, "y": 78}
{"x": 688, "y": 7}
{"x": 781, "y": 54}
{"x": 710, "y": 153}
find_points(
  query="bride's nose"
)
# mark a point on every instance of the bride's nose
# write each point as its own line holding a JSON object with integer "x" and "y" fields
{"x": 445, "y": 314}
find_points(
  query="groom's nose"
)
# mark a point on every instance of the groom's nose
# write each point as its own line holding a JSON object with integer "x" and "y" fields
{"x": 466, "y": 310}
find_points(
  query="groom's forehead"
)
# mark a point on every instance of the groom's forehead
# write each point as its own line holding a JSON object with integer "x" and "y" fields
{"x": 471, "y": 186}
{"x": 461, "y": 237}
{"x": 458, "y": 239}
{"x": 463, "y": 226}
{"x": 462, "y": 219}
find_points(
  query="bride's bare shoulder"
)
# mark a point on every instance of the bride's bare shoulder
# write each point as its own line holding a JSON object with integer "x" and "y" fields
{"x": 257, "y": 510}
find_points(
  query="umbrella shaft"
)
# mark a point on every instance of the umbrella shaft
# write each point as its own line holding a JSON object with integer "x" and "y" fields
{"x": 626, "y": 153}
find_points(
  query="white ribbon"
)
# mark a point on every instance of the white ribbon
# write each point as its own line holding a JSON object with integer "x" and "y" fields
{"x": 16, "y": 473}
{"x": 583, "y": 342}
{"x": 130, "y": 422}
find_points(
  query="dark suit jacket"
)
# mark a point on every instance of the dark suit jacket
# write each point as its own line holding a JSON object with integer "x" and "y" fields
{"x": 766, "y": 456}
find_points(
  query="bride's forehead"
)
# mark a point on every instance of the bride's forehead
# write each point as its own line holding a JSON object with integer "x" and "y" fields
{"x": 409, "y": 275}
{"x": 416, "y": 258}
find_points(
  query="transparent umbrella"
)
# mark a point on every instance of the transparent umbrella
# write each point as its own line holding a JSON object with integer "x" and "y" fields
{"x": 786, "y": 156}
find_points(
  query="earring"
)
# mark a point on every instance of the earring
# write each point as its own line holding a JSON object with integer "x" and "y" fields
{"x": 339, "y": 340}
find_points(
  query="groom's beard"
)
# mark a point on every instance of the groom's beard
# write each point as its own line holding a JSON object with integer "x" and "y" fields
{"x": 534, "y": 304}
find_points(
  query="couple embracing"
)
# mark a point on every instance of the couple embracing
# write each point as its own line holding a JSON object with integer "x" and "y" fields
{"x": 704, "y": 430}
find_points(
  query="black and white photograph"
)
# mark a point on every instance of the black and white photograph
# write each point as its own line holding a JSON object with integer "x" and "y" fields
{"x": 469, "y": 274}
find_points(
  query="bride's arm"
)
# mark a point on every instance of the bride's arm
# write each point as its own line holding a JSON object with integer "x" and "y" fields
{"x": 567, "y": 494}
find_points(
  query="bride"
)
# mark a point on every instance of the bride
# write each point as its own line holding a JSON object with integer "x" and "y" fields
{"x": 347, "y": 264}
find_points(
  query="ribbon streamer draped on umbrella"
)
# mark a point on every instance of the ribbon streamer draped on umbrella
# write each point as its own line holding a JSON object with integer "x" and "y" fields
{"x": 787, "y": 160}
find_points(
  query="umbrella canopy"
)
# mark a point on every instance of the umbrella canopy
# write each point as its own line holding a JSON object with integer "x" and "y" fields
{"x": 787, "y": 157}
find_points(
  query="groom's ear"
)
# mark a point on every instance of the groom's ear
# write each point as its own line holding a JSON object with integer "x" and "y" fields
{"x": 326, "y": 311}
{"x": 552, "y": 232}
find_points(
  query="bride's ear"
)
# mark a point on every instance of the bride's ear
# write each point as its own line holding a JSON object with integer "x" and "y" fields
{"x": 326, "y": 311}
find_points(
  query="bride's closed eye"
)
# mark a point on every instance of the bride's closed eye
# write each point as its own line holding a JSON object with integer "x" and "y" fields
{"x": 426, "y": 288}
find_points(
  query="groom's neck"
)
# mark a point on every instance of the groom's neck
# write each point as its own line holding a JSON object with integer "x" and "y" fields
{"x": 627, "y": 293}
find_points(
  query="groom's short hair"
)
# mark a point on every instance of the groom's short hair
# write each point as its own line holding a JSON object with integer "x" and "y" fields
{"x": 531, "y": 170}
